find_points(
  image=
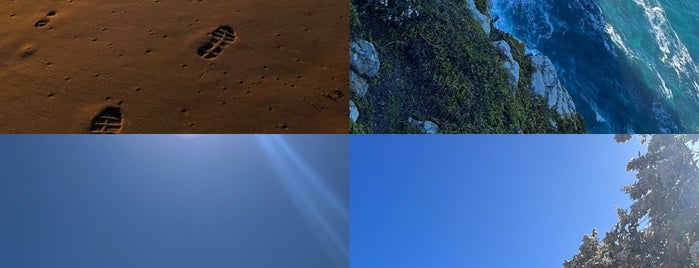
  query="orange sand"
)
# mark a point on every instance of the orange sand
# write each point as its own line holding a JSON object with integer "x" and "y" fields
{"x": 285, "y": 72}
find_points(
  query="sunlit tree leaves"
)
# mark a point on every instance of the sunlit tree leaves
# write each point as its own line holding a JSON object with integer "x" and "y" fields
{"x": 661, "y": 228}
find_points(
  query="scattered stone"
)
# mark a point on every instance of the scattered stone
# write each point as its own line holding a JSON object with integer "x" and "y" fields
{"x": 553, "y": 123}
{"x": 358, "y": 85}
{"x": 354, "y": 112}
{"x": 363, "y": 58}
{"x": 426, "y": 127}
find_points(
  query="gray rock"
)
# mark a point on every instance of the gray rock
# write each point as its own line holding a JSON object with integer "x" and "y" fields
{"x": 430, "y": 128}
{"x": 363, "y": 58}
{"x": 553, "y": 123}
{"x": 510, "y": 64}
{"x": 427, "y": 127}
{"x": 545, "y": 83}
{"x": 480, "y": 18}
{"x": 354, "y": 112}
{"x": 358, "y": 85}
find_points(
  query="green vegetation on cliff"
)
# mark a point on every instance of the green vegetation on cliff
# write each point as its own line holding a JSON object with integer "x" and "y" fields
{"x": 441, "y": 66}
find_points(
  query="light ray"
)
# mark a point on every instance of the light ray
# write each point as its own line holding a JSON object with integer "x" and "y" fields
{"x": 306, "y": 191}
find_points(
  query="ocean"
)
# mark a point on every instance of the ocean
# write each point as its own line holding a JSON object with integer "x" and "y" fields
{"x": 629, "y": 65}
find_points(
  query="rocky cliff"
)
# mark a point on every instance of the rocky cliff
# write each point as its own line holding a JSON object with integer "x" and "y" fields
{"x": 545, "y": 83}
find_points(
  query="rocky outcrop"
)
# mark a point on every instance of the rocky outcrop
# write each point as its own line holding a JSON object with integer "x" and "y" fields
{"x": 426, "y": 127}
{"x": 544, "y": 80}
{"x": 482, "y": 19}
{"x": 364, "y": 63}
{"x": 363, "y": 58}
{"x": 354, "y": 112}
{"x": 358, "y": 85}
{"x": 399, "y": 77}
{"x": 509, "y": 63}
{"x": 545, "y": 83}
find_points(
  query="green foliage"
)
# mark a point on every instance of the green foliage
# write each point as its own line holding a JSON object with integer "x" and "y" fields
{"x": 482, "y": 6}
{"x": 621, "y": 138}
{"x": 441, "y": 67}
{"x": 360, "y": 127}
{"x": 356, "y": 128}
{"x": 393, "y": 112}
{"x": 393, "y": 11}
{"x": 355, "y": 23}
{"x": 666, "y": 196}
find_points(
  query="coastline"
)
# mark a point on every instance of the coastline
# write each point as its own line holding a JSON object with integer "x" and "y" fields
{"x": 462, "y": 69}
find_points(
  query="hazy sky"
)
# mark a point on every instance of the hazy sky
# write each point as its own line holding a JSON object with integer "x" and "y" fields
{"x": 482, "y": 201}
{"x": 174, "y": 201}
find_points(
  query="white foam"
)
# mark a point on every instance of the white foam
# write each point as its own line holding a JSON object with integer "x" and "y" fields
{"x": 598, "y": 114}
{"x": 674, "y": 52}
{"x": 666, "y": 91}
{"x": 535, "y": 12}
{"x": 657, "y": 9}
{"x": 531, "y": 51}
{"x": 618, "y": 40}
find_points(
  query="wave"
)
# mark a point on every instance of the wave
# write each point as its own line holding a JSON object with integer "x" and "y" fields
{"x": 618, "y": 40}
{"x": 674, "y": 52}
{"x": 598, "y": 113}
{"x": 624, "y": 64}
{"x": 663, "y": 86}
{"x": 535, "y": 15}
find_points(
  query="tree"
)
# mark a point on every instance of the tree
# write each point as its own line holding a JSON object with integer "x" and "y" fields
{"x": 666, "y": 198}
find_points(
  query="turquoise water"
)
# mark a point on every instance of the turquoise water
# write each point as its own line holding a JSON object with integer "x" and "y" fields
{"x": 630, "y": 65}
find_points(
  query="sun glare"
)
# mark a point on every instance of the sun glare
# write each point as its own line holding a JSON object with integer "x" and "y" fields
{"x": 307, "y": 189}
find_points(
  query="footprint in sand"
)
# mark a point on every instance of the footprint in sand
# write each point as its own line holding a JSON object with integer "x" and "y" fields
{"x": 220, "y": 39}
{"x": 45, "y": 20}
{"x": 108, "y": 121}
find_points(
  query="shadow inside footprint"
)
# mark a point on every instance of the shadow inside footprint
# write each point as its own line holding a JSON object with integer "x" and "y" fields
{"x": 108, "y": 121}
{"x": 45, "y": 20}
{"x": 221, "y": 37}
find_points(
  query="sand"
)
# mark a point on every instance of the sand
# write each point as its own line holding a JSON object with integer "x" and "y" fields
{"x": 197, "y": 66}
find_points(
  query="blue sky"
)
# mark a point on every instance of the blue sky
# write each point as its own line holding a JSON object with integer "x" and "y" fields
{"x": 174, "y": 201}
{"x": 482, "y": 200}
